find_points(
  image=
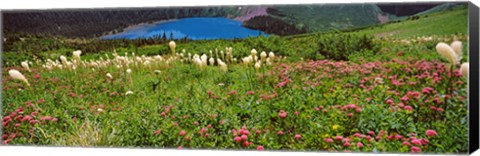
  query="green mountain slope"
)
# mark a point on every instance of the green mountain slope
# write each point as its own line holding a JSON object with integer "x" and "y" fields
{"x": 440, "y": 8}
{"x": 440, "y": 23}
{"x": 329, "y": 17}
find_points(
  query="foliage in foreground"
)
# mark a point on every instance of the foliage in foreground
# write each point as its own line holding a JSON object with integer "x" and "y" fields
{"x": 393, "y": 106}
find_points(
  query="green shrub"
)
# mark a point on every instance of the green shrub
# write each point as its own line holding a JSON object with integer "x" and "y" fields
{"x": 339, "y": 46}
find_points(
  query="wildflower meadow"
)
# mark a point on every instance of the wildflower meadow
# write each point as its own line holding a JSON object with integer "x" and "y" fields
{"x": 341, "y": 92}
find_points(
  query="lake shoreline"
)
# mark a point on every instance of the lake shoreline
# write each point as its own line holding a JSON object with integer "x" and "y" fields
{"x": 137, "y": 26}
{"x": 195, "y": 28}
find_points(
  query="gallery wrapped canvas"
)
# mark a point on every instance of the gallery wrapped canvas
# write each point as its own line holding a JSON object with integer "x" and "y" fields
{"x": 360, "y": 77}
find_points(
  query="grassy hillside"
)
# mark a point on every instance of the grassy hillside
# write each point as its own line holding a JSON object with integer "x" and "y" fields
{"x": 329, "y": 17}
{"x": 442, "y": 7}
{"x": 441, "y": 23}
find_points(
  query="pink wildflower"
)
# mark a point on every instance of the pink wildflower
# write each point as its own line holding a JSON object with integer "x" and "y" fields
{"x": 244, "y": 137}
{"x": 282, "y": 114}
{"x": 408, "y": 108}
{"x": 260, "y": 148}
{"x": 182, "y": 133}
{"x": 416, "y": 142}
{"x": 237, "y": 139}
{"x": 415, "y": 149}
{"x": 338, "y": 137}
{"x": 280, "y": 133}
{"x": 359, "y": 144}
{"x": 329, "y": 140}
{"x": 431, "y": 133}
{"x": 298, "y": 136}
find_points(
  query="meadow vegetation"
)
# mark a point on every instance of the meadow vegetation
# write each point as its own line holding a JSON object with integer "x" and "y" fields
{"x": 345, "y": 91}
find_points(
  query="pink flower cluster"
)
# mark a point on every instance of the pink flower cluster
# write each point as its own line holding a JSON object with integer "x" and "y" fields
{"x": 282, "y": 114}
{"x": 242, "y": 136}
{"x": 21, "y": 119}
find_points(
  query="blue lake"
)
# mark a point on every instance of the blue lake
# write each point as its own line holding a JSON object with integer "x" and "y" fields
{"x": 193, "y": 28}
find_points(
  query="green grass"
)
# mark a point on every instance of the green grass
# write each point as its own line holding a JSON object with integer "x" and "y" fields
{"x": 132, "y": 120}
{"x": 443, "y": 23}
{"x": 92, "y": 109}
{"x": 330, "y": 17}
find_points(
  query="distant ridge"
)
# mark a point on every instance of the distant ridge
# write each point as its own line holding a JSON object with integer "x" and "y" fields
{"x": 406, "y": 9}
{"x": 275, "y": 19}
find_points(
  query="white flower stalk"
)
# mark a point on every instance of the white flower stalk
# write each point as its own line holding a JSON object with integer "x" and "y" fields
{"x": 172, "y": 47}
{"x": 146, "y": 63}
{"x": 25, "y": 65}
{"x": 197, "y": 61}
{"x": 109, "y": 76}
{"x": 69, "y": 64}
{"x": 129, "y": 92}
{"x": 76, "y": 55}
{"x": 247, "y": 60}
{"x": 457, "y": 47}
{"x": 222, "y": 65}
{"x": 129, "y": 71}
{"x": 63, "y": 59}
{"x": 258, "y": 65}
{"x": 222, "y": 55}
{"x": 15, "y": 74}
{"x": 253, "y": 52}
{"x": 212, "y": 61}
{"x": 263, "y": 56}
{"x": 204, "y": 59}
{"x": 271, "y": 55}
{"x": 447, "y": 52}
{"x": 228, "y": 54}
{"x": 269, "y": 63}
{"x": 464, "y": 69}
{"x": 378, "y": 80}
{"x": 211, "y": 53}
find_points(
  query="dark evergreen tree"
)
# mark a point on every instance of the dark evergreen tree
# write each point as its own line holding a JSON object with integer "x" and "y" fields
{"x": 171, "y": 36}
{"x": 164, "y": 37}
